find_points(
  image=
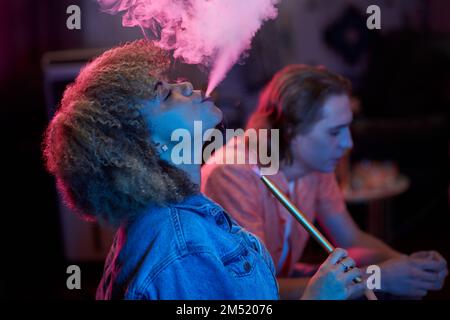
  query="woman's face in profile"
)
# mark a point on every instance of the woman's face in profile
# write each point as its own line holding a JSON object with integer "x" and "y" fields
{"x": 177, "y": 106}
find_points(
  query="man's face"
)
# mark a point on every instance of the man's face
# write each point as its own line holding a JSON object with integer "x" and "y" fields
{"x": 326, "y": 142}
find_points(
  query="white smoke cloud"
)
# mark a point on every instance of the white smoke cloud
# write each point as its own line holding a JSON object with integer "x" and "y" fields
{"x": 210, "y": 32}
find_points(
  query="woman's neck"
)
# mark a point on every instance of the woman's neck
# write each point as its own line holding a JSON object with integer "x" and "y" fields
{"x": 193, "y": 171}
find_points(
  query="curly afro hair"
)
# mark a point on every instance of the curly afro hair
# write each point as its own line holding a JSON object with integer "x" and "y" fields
{"x": 98, "y": 144}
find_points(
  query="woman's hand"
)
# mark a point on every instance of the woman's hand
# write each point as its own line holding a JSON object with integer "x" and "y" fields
{"x": 413, "y": 276}
{"x": 334, "y": 279}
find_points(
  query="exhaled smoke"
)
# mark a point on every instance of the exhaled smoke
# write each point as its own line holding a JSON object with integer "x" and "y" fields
{"x": 209, "y": 32}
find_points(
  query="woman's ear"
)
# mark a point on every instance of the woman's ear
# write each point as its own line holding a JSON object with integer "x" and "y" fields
{"x": 160, "y": 145}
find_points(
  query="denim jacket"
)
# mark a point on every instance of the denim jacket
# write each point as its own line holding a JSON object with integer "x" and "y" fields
{"x": 190, "y": 250}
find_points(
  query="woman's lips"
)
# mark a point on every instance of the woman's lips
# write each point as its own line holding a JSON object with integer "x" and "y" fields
{"x": 205, "y": 99}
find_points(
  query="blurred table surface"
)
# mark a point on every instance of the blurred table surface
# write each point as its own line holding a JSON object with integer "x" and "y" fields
{"x": 398, "y": 186}
{"x": 378, "y": 201}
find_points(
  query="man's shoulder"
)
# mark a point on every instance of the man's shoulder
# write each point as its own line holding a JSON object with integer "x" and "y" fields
{"x": 214, "y": 169}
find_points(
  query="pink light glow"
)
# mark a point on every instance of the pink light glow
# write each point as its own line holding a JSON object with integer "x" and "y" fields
{"x": 210, "y": 32}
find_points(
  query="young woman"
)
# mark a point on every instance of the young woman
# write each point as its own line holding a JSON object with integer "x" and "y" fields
{"x": 109, "y": 147}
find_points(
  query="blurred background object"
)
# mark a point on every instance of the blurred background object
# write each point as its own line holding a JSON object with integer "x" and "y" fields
{"x": 375, "y": 184}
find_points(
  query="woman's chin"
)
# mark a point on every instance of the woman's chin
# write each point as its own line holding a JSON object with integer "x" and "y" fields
{"x": 217, "y": 115}
{"x": 211, "y": 117}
